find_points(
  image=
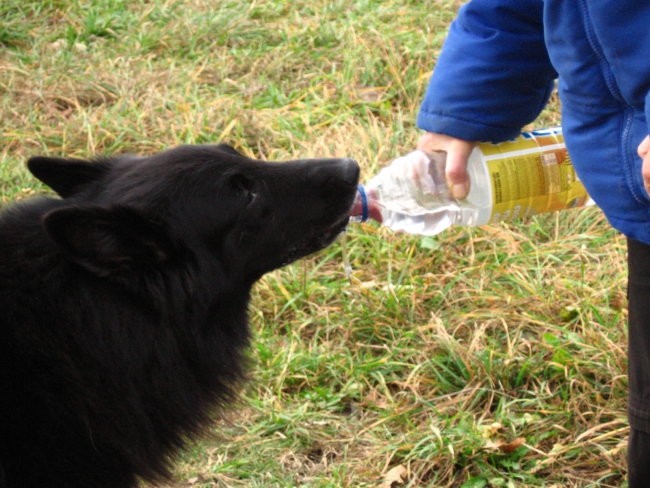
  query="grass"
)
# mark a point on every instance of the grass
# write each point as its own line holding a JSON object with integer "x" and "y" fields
{"x": 491, "y": 357}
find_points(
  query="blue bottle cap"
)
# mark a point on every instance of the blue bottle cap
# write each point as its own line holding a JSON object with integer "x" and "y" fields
{"x": 364, "y": 203}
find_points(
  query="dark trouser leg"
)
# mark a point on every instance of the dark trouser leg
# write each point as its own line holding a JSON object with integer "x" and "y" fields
{"x": 639, "y": 364}
{"x": 638, "y": 472}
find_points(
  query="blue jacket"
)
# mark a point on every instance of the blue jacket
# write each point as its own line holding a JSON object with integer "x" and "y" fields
{"x": 497, "y": 69}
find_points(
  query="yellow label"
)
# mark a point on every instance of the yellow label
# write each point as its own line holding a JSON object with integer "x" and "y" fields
{"x": 531, "y": 175}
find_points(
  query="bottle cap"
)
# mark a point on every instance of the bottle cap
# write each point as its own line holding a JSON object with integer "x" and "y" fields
{"x": 364, "y": 203}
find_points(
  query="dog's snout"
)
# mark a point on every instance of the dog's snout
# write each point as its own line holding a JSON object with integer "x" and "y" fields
{"x": 332, "y": 172}
{"x": 349, "y": 171}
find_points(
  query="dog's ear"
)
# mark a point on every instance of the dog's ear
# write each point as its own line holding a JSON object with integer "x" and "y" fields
{"x": 228, "y": 149}
{"x": 108, "y": 241}
{"x": 64, "y": 176}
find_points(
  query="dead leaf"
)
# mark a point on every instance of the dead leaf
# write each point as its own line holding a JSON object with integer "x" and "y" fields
{"x": 371, "y": 94}
{"x": 394, "y": 475}
{"x": 513, "y": 445}
{"x": 505, "y": 447}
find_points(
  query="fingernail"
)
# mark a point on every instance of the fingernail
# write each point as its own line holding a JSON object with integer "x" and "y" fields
{"x": 459, "y": 190}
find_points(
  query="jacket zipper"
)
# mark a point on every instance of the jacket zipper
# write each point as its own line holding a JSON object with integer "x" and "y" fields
{"x": 610, "y": 80}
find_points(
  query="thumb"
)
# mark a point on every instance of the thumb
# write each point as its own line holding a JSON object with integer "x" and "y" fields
{"x": 458, "y": 153}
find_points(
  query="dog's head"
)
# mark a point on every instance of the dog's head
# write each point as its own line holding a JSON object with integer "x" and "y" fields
{"x": 129, "y": 213}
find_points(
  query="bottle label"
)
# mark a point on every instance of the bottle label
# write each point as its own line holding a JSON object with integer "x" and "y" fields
{"x": 530, "y": 175}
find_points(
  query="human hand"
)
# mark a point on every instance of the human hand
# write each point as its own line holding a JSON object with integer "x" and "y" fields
{"x": 458, "y": 151}
{"x": 644, "y": 153}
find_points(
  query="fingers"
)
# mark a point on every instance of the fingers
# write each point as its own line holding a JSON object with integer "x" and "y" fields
{"x": 644, "y": 154}
{"x": 456, "y": 169}
{"x": 458, "y": 151}
{"x": 644, "y": 147}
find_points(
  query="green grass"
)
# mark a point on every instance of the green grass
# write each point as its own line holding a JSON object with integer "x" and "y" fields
{"x": 490, "y": 357}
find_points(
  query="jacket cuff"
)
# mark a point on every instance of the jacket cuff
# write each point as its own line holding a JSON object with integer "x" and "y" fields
{"x": 464, "y": 129}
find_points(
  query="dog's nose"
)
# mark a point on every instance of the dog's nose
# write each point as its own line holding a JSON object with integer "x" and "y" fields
{"x": 349, "y": 171}
{"x": 331, "y": 172}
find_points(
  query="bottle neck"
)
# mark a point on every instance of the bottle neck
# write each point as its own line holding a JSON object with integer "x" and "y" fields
{"x": 366, "y": 205}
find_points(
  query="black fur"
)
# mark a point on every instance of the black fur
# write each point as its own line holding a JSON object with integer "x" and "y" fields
{"x": 123, "y": 303}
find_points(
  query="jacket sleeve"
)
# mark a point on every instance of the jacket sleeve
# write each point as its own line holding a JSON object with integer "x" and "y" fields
{"x": 493, "y": 75}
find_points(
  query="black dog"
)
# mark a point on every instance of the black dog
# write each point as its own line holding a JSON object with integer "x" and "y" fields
{"x": 123, "y": 303}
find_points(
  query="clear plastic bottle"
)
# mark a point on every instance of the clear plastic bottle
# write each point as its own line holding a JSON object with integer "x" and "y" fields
{"x": 529, "y": 175}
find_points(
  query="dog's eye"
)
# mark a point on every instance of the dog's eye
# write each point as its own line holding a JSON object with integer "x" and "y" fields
{"x": 244, "y": 185}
